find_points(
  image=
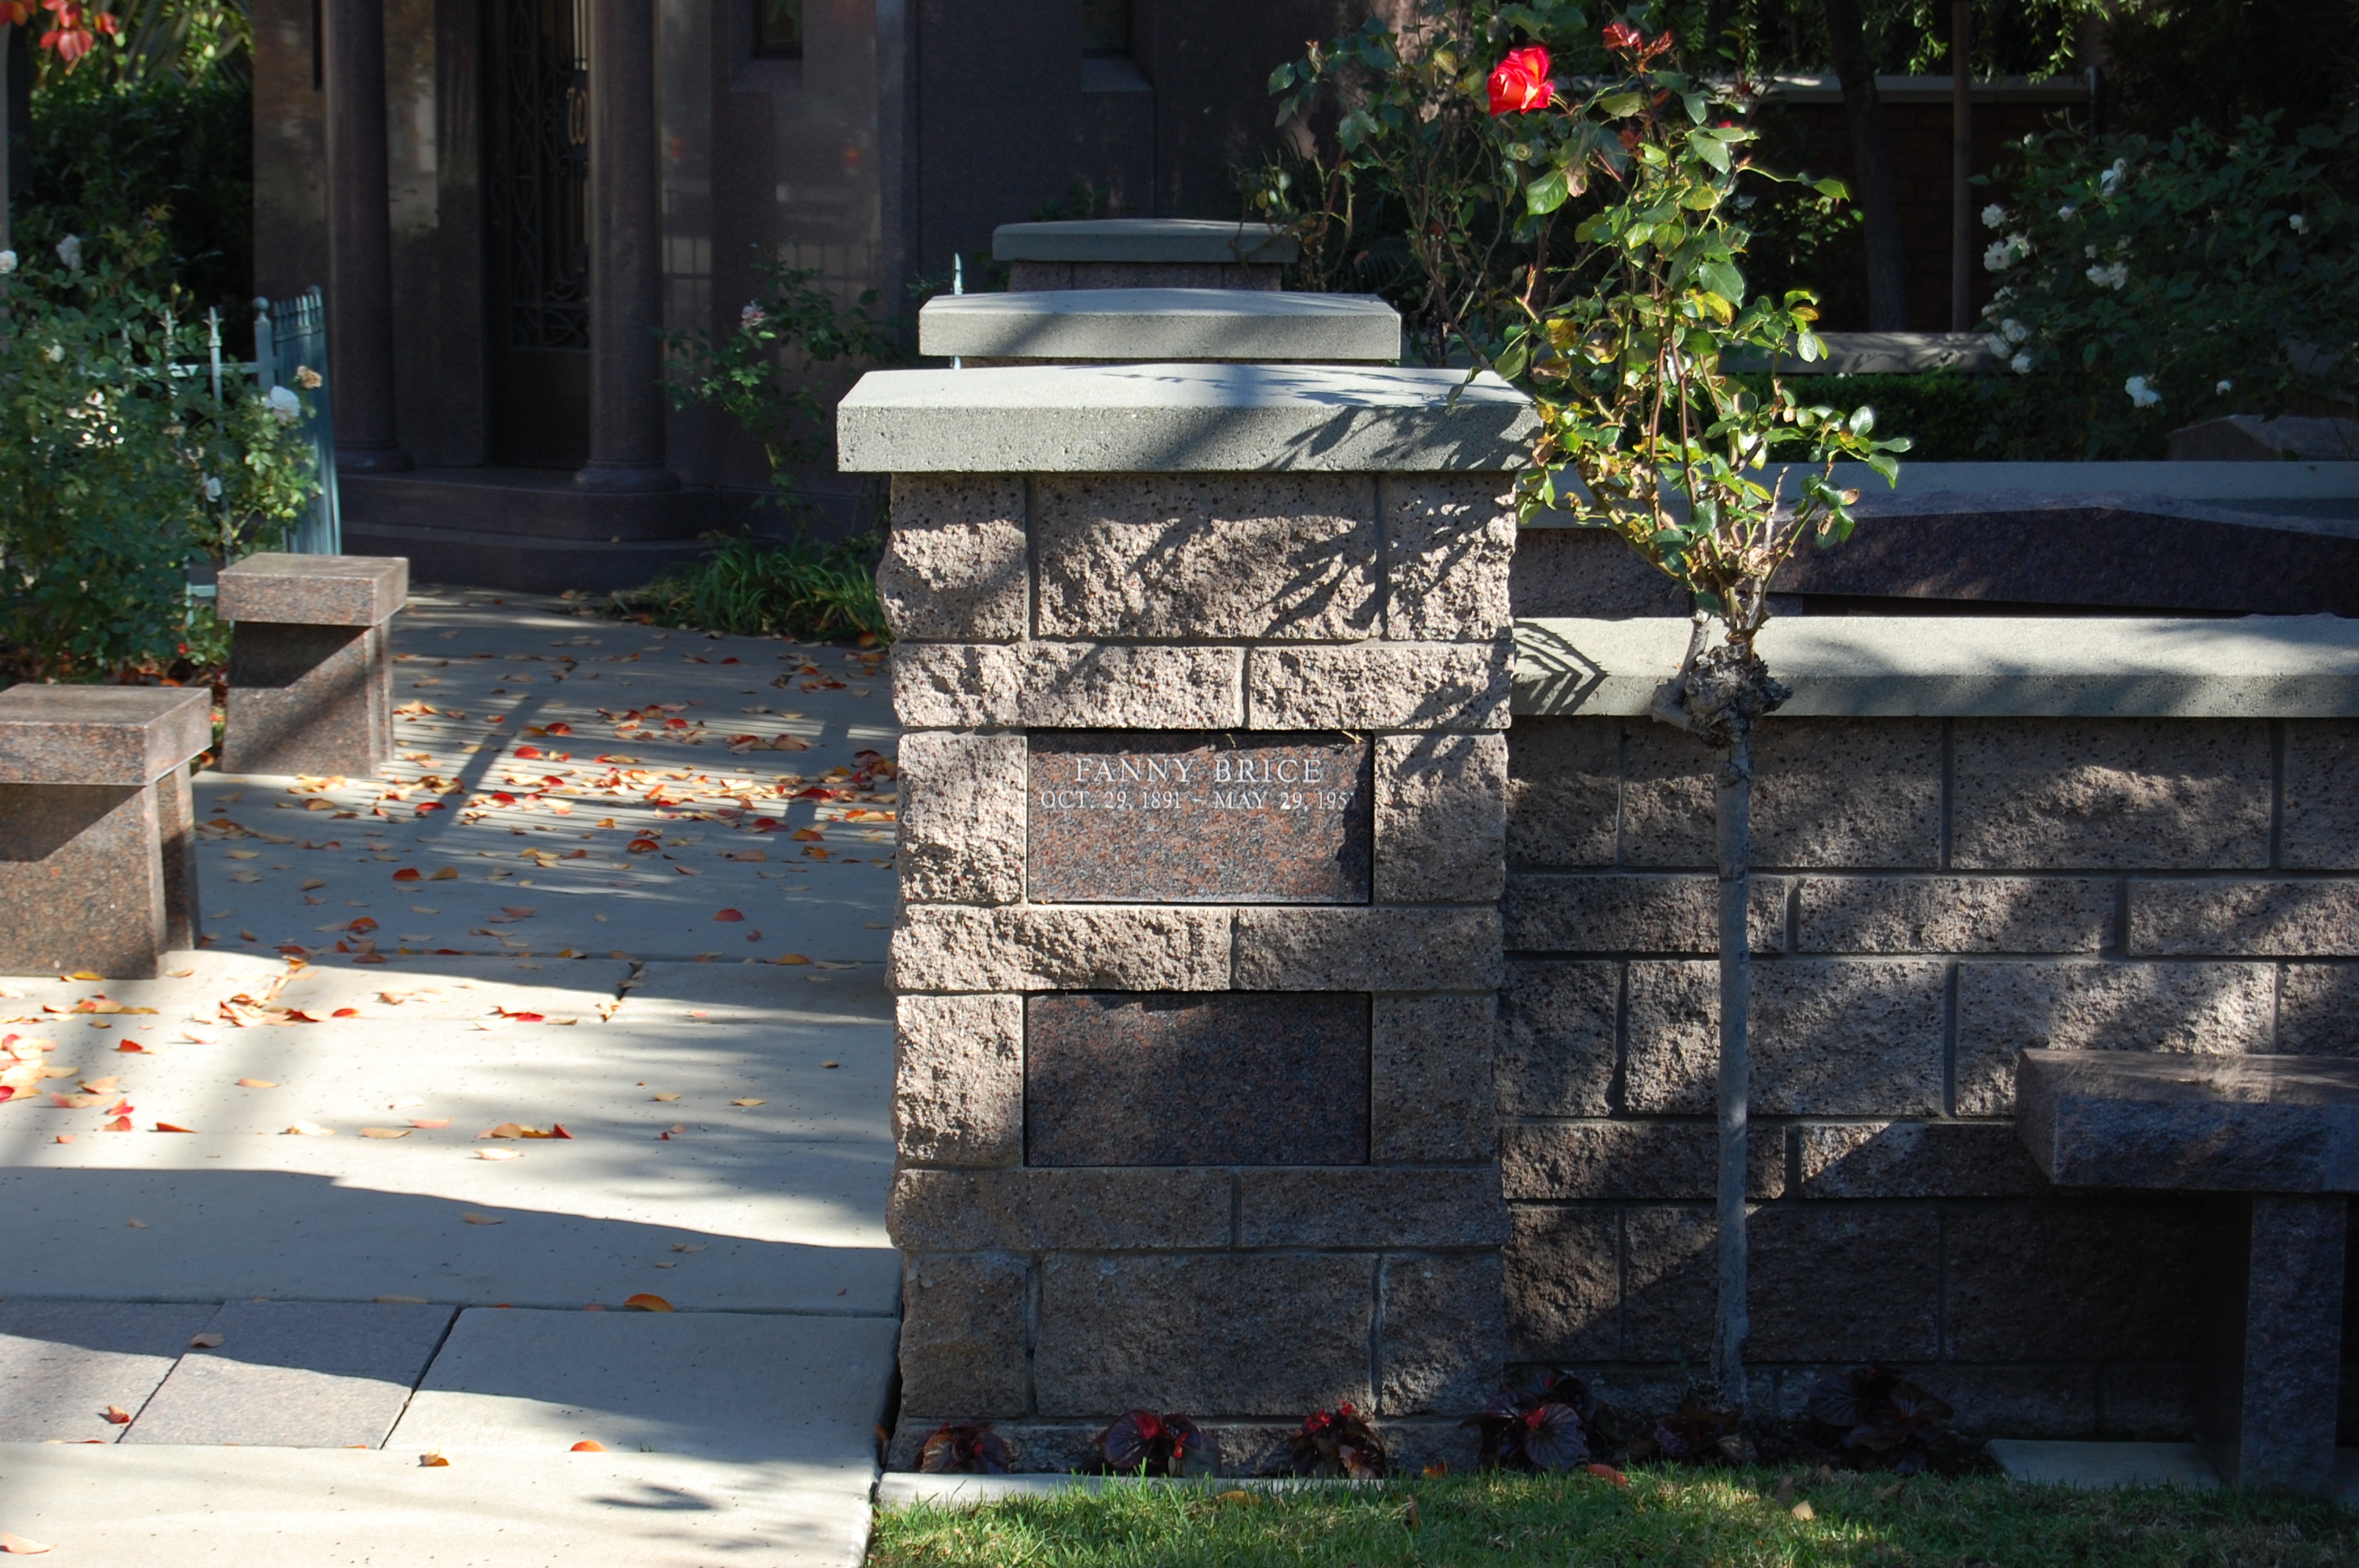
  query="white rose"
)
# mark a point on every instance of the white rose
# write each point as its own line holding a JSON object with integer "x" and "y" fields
{"x": 69, "y": 251}
{"x": 2014, "y": 331}
{"x": 2224, "y": 386}
{"x": 212, "y": 488}
{"x": 2297, "y": 222}
{"x": 2115, "y": 277}
{"x": 2112, "y": 177}
{"x": 2142, "y": 394}
{"x": 7, "y": 263}
{"x": 284, "y": 406}
{"x": 1994, "y": 215}
{"x": 2020, "y": 364}
{"x": 2067, "y": 212}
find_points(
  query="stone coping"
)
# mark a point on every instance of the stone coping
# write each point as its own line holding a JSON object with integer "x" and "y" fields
{"x": 899, "y": 1488}
{"x": 1880, "y": 353}
{"x": 100, "y": 734}
{"x": 1160, "y": 324}
{"x": 312, "y": 591}
{"x": 1180, "y": 418}
{"x": 1145, "y": 240}
{"x": 2286, "y": 667}
{"x": 2158, "y": 1118}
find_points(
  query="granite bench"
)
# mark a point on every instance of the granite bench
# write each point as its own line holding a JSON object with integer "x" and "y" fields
{"x": 2275, "y": 1141}
{"x": 1143, "y": 253}
{"x": 98, "y": 867}
{"x": 311, "y": 664}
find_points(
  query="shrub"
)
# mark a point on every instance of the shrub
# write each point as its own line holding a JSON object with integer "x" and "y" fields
{"x": 761, "y": 588}
{"x": 1142, "y": 1443}
{"x": 1542, "y": 1423}
{"x": 1881, "y": 1419}
{"x": 1337, "y": 1443}
{"x": 965, "y": 1448}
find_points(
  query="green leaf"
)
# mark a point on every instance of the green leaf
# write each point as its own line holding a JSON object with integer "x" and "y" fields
{"x": 1835, "y": 189}
{"x": 1862, "y": 420}
{"x": 1720, "y": 275}
{"x": 1699, "y": 108}
{"x": 1281, "y": 79}
{"x": 1614, "y": 105}
{"x": 1708, "y": 149}
{"x": 1548, "y": 192}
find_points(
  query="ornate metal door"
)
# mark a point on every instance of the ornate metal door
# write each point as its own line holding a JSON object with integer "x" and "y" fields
{"x": 538, "y": 183}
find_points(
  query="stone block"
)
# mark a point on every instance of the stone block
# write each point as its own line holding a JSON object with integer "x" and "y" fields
{"x": 2265, "y": 1393}
{"x": 1381, "y": 686}
{"x": 1430, "y": 1096}
{"x": 1384, "y": 1206}
{"x": 2064, "y": 794}
{"x": 83, "y": 880}
{"x": 1557, "y": 1038}
{"x": 2282, "y": 919}
{"x": 1670, "y": 1282}
{"x": 2071, "y": 1280}
{"x": 955, "y": 566}
{"x": 962, "y": 818}
{"x": 1150, "y": 325}
{"x": 1090, "y": 686}
{"x": 1233, "y": 556}
{"x": 958, "y": 1079}
{"x": 1845, "y": 1282}
{"x": 1827, "y": 792}
{"x": 176, "y": 838}
{"x": 1441, "y": 1335}
{"x": 2020, "y": 1401}
{"x": 1564, "y": 1283}
{"x": 2147, "y": 1401}
{"x": 1450, "y": 539}
{"x": 307, "y": 700}
{"x": 1126, "y": 1078}
{"x": 1955, "y": 915}
{"x": 87, "y": 735}
{"x": 65, "y": 1362}
{"x": 1441, "y": 818}
{"x": 954, "y": 685}
{"x": 2318, "y": 1009}
{"x": 1564, "y": 790}
{"x": 1382, "y": 948}
{"x": 1914, "y": 1160}
{"x": 2319, "y": 823}
{"x": 950, "y": 947}
{"x": 1241, "y": 1334}
{"x": 296, "y": 1375}
{"x": 1632, "y": 1161}
{"x": 1588, "y": 574}
{"x": 312, "y": 591}
{"x": 1846, "y": 1037}
{"x": 964, "y": 1356}
{"x": 1619, "y": 912}
{"x": 2006, "y": 1009}
{"x": 1037, "y": 1211}
{"x": 2238, "y": 1124}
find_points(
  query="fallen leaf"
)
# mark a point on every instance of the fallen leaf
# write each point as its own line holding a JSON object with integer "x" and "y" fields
{"x": 433, "y": 1462}
{"x": 120, "y": 1124}
{"x": 690, "y": 1246}
{"x": 133, "y": 1047}
{"x": 211, "y": 1339}
{"x": 170, "y": 1127}
{"x": 101, "y": 1085}
{"x": 118, "y": 1416}
{"x": 65, "y": 1137}
{"x": 433, "y": 1124}
{"x": 499, "y": 1154}
{"x": 19, "y": 1545}
{"x": 85, "y": 974}
{"x": 385, "y": 1132}
{"x": 830, "y": 1064}
{"x": 258, "y": 1084}
{"x": 729, "y": 914}
{"x": 1804, "y": 1510}
{"x": 471, "y": 1217}
{"x": 791, "y": 959}
{"x": 136, "y": 1224}
{"x": 314, "y": 883}
{"x": 664, "y": 1096}
{"x": 1607, "y": 1472}
{"x": 587, "y": 1446}
{"x": 406, "y": 875}
{"x": 309, "y": 1129}
{"x": 447, "y": 874}
{"x": 749, "y": 1102}
{"x": 645, "y": 1302}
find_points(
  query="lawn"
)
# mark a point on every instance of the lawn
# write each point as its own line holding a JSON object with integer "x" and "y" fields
{"x": 1667, "y": 1518}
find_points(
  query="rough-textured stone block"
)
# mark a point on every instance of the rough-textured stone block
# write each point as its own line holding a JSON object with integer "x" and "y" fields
{"x": 1345, "y": 949}
{"x": 2319, "y": 829}
{"x": 1670, "y": 1282}
{"x": 2236, "y": 1124}
{"x": 1244, "y": 556}
{"x": 2016, "y": 1401}
{"x": 82, "y": 880}
{"x": 312, "y": 591}
{"x": 1384, "y": 1206}
{"x": 2318, "y": 1009}
{"x": 1557, "y": 1049}
{"x": 1441, "y": 818}
{"x": 2056, "y": 794}
{"x": 99, "y": 735}
{"x": 1217, "y": 1078}
{"x": 1381, "y": 686}
{"x": 1235, "y": 1334}
{"x": 962, "y": 819}
{"x": 954, "y": 685}
{"x": 1037, "y": 1211}
{"x": 963, "y": 1350}
{"x": 1588, "y": 574}
{"x": 1632, "y": 1161}
{"x": 955, "y": 566}
{"x": 958, "y": 1079}
{"x": 1860, "y": 1037}
{"x": 2147, "y": 1402}
{"x": 1443, "y": 1335}
{"x": 2007, "y": 1008}
{"x": 1430, "y": 1081}
{"x": 2072, "y": 1279}
{"x": 1449, "y": 542}
{"x": 1617, "y": 912}
{"x": 307, "y": 700}
{"x": 1564, "y": 1279}
{"x": 1954, "y": 914}
{"x": 2266, "y": 1395}
{"x": 1826, "y": 792}
{"x": 950, "y": 947}
{"x": 1564, "y": 791}
{"x": 2287, "y": 919}
{"x": 1844, "y": 1283}
{"x": 1093, "y": 685}
{"x": 1914, "y": 1160}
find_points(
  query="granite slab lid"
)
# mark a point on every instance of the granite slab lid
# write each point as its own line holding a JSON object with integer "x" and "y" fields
{"x": 1145, "y": 240}
{"x": 1160, "y": 324}
{"x": 313, "y": 591}
{"x": 100, "y": 734}
{"x": 2164, "y": 1118}
{"x": 1181, "y": 418}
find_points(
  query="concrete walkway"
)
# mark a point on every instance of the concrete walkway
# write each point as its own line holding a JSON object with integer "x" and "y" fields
{"x": 665, "y": 940}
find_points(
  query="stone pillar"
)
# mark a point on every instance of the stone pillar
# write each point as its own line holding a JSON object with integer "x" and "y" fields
{"x": 310, "y": 663}
{"x": 360, "y": 238}
{"x": 627, "y": 411}
{"x": 1201, "y": 846}
{"x": 2266, "y": 1390}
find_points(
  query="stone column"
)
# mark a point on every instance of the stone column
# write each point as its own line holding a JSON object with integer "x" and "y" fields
{"x": 626, "y": 413}
{"x": 360, "y": 235}
{"x": 2266, "y": 1390}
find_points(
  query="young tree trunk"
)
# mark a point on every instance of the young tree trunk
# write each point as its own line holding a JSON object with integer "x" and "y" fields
{"x": 1871, "y": 156}
{"x": 1732, "y": 797}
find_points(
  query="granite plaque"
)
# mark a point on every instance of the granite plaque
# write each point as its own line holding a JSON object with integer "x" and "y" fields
{"x": 1195, "y": 1078}
{"x": 1177, "y": 818}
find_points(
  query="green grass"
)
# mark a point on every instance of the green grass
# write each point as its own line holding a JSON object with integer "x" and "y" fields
{"x": 1664, "y": 1519}
{"x": 760, "y": 588}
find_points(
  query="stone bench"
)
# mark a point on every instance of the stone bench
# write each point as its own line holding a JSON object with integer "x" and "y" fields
{"x": 2276, "y": 1141}
{"x": 311, "y": 665}
{"x": 98, "y": 867}
{"x": 1143, "y": 253}
{"x": 1159, "y": 324}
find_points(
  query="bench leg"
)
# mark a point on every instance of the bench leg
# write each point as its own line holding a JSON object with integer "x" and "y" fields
{"x": 2266, "y": 1392}
{"x": 176, "y": 833}
{"x": 307, "y": 700}
{"x": 81, "y": 879}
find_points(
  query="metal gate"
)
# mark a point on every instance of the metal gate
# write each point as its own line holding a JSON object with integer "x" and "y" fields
{"x": 291, "y": 335}
{"x": 538, "y": 190}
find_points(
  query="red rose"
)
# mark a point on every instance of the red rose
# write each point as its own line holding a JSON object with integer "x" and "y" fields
{"x": 1520, "y": 84}
{"x": 1622, "y": 36}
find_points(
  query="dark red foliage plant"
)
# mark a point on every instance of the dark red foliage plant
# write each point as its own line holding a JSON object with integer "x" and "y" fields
{"x": 1882, "y": 1420}
{"x": 1337, "y": 1443}
{"x": 1143, "y": 1442}
{"x": 965, "y": 1448}
{"x": 1695, "y": 1433}
{"x": 1542, "y": 1423}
